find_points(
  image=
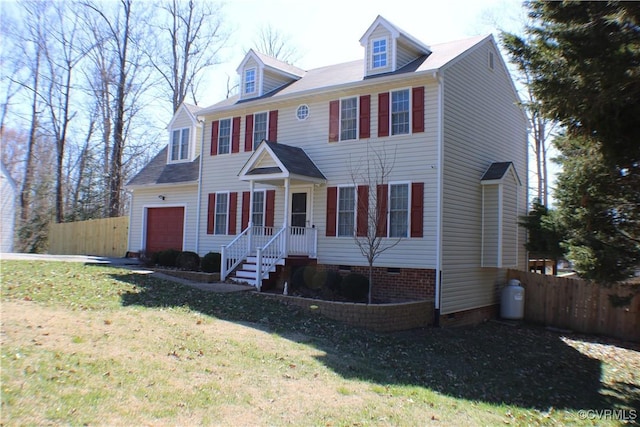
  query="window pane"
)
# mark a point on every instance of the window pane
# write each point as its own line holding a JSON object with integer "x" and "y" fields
{"x": 348, "y": 118}
{"x": 221, "y": 214}
{"x": 250, "y": 81}
{"x": 400, "y": 112}
{"x": 175, "y": 145}
{"x": 224, "y": 136}
{"x": 379, "y": 53}
{"x": 258, "y": 208}
{"x": 259, "y": 129}
{"x": 346, "y": 211}
{"x": 184, "y": 144}
{"x": 398, "y": 210}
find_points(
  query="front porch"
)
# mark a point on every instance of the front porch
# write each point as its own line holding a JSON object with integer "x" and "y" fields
{"x": 260, "y": 248}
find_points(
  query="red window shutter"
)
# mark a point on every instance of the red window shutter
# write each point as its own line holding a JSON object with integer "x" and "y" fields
{"x": 334, "y": 120}
{"x": 273, "y": 126}
{"x": 248, "y": 133}
{"x": 233, "y": 212}
{"x": 332, "y": 202}
{"x": 362, "y": 215}
{"x": 235, "y": 135}
{"x": 381, "y": 201}
{"x": 417, "y": 208}
{"x": 246, "y": 199}
{"x": 383, "y": 114}
{"x": 214, "y": 137}
{"x": 211, "y": 213}
{"x": 365, "y": 116}
{"x": 418, "y": 109}
{"x": 270, "y": 208}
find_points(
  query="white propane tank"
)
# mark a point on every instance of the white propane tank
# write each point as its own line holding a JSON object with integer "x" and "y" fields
{"x": 512, "y": 303}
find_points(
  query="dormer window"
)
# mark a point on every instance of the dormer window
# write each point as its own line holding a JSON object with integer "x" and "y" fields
{"x": 250, "y": 81}
{"x": 180, "y": 144}
{"x": 379, "y": 53}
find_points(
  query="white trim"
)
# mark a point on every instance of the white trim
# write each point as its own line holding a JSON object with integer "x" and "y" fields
{"x": 302, "y": 189}
{"x": 355, "y": 209}
{"x": 190, "y": 145}
{"x": 218, "y": 153}
{"x": 199, "y": 197}
{"x": 439, "y": 210}
{"x": 357, "y": 137}
{"x": 215, "y": 214}
{"x": 391, "y": 92}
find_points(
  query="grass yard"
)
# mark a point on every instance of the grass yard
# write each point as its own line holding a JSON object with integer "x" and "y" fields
{"x": 95, "y": 345}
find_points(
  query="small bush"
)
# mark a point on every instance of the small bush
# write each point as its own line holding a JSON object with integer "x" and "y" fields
{"x": 168, "y": 257}
{"x": 210, "y": 263}
{"x": 302, "y": 277}
{"x": 189, "y": 261}
{"x": 355, "y": 287}
{"x": 148, "y": 259}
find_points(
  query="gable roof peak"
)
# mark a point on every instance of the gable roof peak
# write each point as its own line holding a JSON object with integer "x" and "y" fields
{"x": 272, "y": 63}
{"x": 396, "y": 32}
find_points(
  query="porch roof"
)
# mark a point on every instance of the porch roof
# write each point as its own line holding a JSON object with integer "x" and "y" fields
{"x": 273, "y": 162}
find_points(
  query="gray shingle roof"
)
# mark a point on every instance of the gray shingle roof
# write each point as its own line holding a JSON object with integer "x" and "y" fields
{"x": 157, "y": 171}
{"x": 496, "y": 171}
{"x": 295, "y": 160}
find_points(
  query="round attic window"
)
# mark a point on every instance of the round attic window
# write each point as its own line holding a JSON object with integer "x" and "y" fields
{"x": 302, "y": 112}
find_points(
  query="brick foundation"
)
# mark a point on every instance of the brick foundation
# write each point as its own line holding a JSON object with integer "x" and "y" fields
{"x": 402, "y": 284}
{"x": 469, "y": 317}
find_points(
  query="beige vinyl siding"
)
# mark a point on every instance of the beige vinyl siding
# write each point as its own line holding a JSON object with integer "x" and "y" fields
{"x": 415, "y": 161}
{"x": 273, "y": 81}
{"x": 177, "y": 195}
{"x": 482, "y": 124}
{"x": 510, "y": 242}
{"x": 404, "y": 56}
{"x": 490, "y": 226}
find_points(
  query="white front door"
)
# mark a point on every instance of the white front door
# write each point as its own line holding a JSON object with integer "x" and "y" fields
{"x": 299, "y": 220}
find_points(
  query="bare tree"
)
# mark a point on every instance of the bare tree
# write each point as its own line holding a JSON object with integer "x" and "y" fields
{"x": 274, "y": 43}
{"x": 369, "y": 179}
{"x": 188, "y": 42}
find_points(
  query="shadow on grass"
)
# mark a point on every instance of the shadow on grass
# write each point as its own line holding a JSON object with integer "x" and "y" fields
{"x": 493, "y": 362}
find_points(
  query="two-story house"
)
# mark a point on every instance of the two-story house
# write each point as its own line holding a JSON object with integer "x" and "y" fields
{"x": 273, "y": 173}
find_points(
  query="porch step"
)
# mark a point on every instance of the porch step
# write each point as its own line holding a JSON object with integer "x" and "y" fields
{"x": 247, "y": 272}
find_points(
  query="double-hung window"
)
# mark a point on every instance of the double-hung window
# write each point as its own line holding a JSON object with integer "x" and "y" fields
{"x": 224, "y": 136}
{"x": 346, "y": 210}
{"x": 180, "y": 144}
{"x": 250, "y": 80}
{"x": 398, "y": 210}
{"x": 400, "y": 112}
{"x": 258, "y": 209}
{"x": 379, "y": 53}
{"x": 348, "y": 118}
{"x": 221, "y": 213}
{"x": 259, "y": 128}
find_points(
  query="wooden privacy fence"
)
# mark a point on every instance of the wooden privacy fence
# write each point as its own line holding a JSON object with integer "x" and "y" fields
{"x": 99, "y": 237}
{"x": 581, "y": 306}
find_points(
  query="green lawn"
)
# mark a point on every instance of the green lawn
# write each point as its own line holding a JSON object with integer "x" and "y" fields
{"x": 98, "y": 345}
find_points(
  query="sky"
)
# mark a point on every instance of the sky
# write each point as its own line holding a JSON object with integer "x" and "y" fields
{"x": 328, "y": 32}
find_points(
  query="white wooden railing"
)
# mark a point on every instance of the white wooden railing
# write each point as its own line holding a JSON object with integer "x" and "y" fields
{"x": 269, "y": 246}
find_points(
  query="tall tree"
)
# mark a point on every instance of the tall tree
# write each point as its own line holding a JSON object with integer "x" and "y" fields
{"x": 189, "y": 41}
{"x": 274, "y": 43}
{"x": 584, "y": 59}
{"x": 541, "y": 127}
{"x": 599, "y": 210}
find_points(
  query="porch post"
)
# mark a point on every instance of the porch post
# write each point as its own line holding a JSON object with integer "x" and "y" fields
{"x": 250, "y": 223}
{"x": 285, "y": 223}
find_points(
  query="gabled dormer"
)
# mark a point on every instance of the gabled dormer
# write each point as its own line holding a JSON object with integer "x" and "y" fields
{"x": 183, "y": 134}
{"x": 388, "y": 48}
{"x": 261, "y": 74}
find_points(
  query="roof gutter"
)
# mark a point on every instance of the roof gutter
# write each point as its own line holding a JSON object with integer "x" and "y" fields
{"x": 199, "y": 200}
{"x": 440, "y": 142}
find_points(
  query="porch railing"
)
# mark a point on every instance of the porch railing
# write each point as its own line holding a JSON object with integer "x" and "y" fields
{"x": 268, "y": 244}
{"x": 268, "y": 255}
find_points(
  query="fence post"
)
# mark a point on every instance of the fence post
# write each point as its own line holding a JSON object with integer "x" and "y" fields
{"x": 223, "y": 263}
{"x": 258, "y": 269}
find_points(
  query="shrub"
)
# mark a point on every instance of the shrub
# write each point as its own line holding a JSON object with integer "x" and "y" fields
{"x": 168, "y": 257}
{"x": 210, "y": 263}
{"x": 148, "y": 259}
{"x": 355, "y": 287}
{"x": 188, "y": 261}
{"x": 302, "y": 277}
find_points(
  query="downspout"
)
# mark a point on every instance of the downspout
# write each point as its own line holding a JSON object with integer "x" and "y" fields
{"x": 199, "y": 200}
{"x": 439, "y": 171}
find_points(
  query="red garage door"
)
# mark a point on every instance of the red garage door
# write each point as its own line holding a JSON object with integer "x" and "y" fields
{"x": 165, "y": 228}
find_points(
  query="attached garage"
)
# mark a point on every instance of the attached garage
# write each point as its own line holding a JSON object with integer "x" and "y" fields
{"x": 165, "y": 228}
